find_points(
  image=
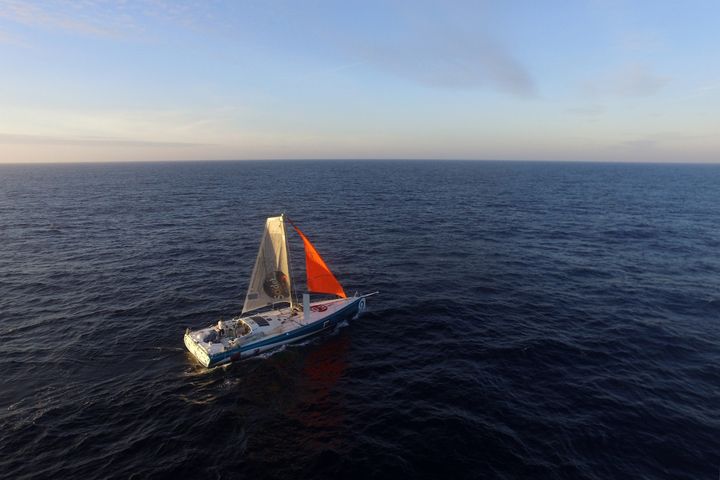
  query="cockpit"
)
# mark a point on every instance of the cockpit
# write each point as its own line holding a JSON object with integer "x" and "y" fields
{"x": 242, "y": 328}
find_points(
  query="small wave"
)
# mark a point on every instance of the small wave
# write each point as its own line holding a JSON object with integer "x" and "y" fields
{"x": 537, "y": 321}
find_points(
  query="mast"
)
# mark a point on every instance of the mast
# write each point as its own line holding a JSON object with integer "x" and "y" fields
{"x": 289, "y": 260}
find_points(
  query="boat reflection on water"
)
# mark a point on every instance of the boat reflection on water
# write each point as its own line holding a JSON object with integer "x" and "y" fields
{"x": 297, "y": 383}
{"x": 320, "y": 408}
{"x": 325, "y": 365}
{"x": 296, "y": 395}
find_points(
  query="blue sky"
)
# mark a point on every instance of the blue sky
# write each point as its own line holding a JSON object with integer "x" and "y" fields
{"x": 606, "y": 80}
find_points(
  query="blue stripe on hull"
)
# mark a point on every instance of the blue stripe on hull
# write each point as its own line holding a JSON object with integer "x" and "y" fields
{"x": 305, "y": 331}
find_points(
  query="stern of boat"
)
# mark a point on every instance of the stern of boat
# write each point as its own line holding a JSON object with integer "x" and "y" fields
{"x": 196, "y": 349}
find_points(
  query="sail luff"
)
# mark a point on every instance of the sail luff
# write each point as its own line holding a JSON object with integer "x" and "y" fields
{"x": 291, "y": 280}
{"x": 319, "y": 277}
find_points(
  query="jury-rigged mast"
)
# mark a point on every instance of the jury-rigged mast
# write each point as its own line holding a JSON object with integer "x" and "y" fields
{"x": 270, "y": 282}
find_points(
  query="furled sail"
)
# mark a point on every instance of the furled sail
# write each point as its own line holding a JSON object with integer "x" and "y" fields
{"x": 270, "y": 281}
{"x": 319, "y": 277}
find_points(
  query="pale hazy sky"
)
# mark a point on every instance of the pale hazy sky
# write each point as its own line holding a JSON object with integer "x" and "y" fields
{"x": 613, "y": 80}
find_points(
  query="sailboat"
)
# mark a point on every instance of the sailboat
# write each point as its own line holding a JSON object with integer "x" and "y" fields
{"x": 271, "y": 315}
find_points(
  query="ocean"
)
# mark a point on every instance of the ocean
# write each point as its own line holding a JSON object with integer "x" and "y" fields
{"x": 535, "y": 320}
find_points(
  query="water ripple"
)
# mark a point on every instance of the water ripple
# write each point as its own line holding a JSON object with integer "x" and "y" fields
{"x": 536, "y": 321}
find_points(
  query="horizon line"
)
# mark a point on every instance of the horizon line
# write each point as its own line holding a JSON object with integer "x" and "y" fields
{"x": 348, "y": 159}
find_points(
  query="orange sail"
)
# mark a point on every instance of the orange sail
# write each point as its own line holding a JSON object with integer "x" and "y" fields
{"x": 319, "y": 277}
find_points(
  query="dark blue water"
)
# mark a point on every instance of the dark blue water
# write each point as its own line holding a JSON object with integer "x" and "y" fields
{"x": 536, "y": 320}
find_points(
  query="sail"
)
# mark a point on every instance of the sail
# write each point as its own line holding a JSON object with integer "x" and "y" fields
{"x": 270, "y": 281}
{"x": 319, "y": 277}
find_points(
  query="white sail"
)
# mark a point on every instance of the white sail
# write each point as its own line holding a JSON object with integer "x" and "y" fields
{"x": 270, "y": 281}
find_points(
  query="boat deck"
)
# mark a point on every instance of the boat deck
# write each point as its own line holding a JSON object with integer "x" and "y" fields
{"x": 245, "y": 332}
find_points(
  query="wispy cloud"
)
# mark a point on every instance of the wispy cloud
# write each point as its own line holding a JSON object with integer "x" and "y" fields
{"x": 452, "y": 60}
{"x": 9, "y": 39}
{"x": 641, "y": 41}
{"x": 52, "y": 15}
{"x": 22, "y": 139}
{"x": 702, "y": 91}
{"x": 632, "y": 80}
{"x": 102, "y": 18}
{"x": 587, "y": 110}
{"x": 323, "y": 72}
{"x": 665, "y": 146}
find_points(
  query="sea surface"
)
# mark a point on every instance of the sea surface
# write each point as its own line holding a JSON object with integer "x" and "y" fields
{"x": 535, "y": 320}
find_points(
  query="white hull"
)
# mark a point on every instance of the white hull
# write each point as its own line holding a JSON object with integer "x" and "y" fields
{"x": 252, "y": 335}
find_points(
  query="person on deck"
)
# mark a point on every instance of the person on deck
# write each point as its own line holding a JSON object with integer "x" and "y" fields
{"x": 220, "y": 328}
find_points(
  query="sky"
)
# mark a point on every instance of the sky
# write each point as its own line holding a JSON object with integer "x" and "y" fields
{"x": 581, "y": 80}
